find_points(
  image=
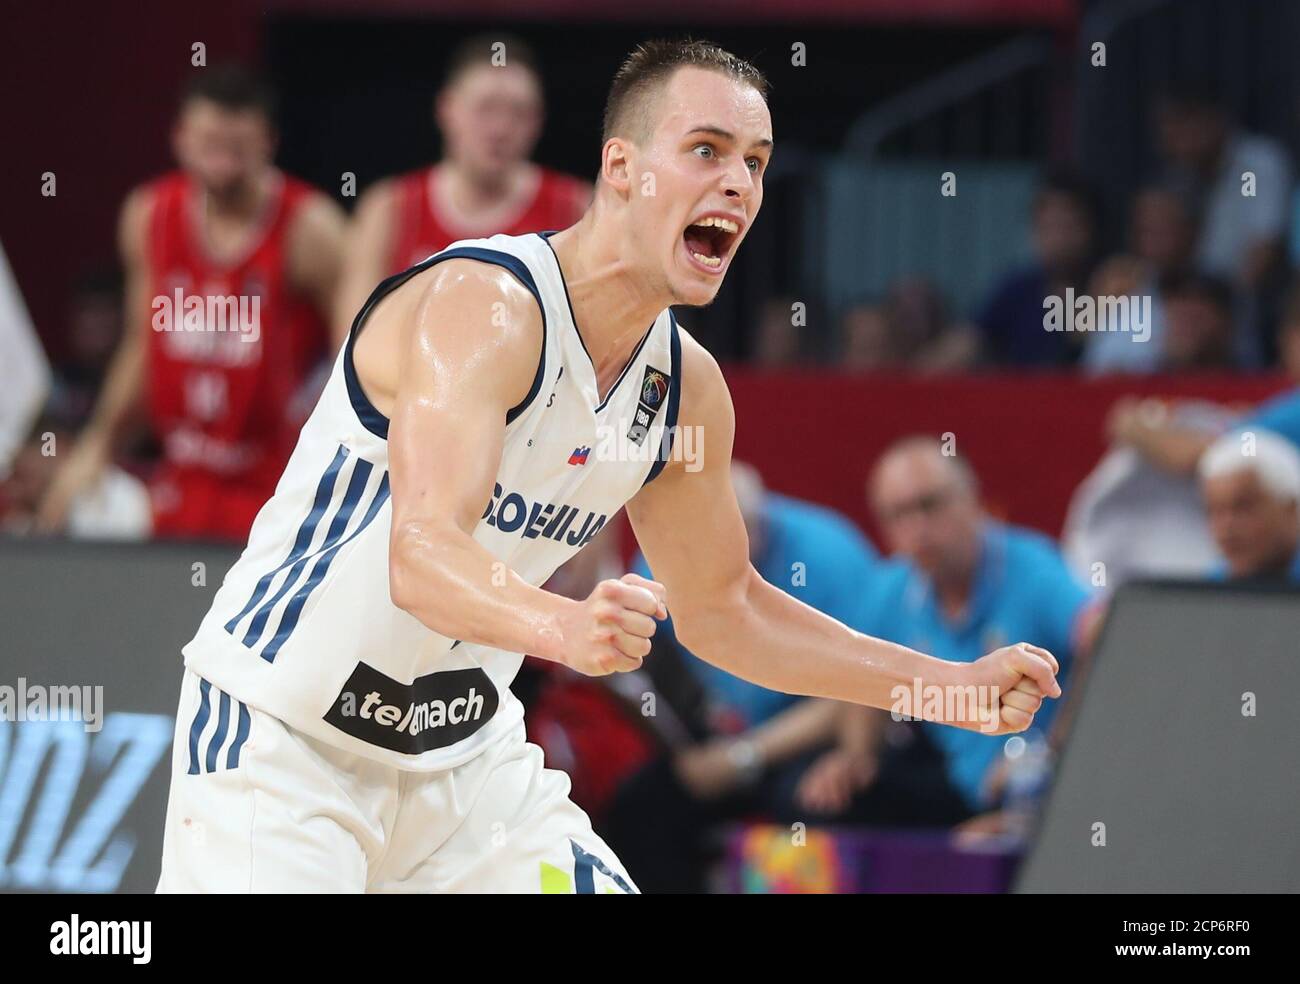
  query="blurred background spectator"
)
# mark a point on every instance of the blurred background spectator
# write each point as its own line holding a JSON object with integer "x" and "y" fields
{"x": 1251, "y": 484}
{"x": 1239, "y": 182}
{"x": 1162, "y": 237}
{"x": 227, "y": 231}
{"x": 115, "y": 506}
{"x": 1065, "y": 249}
{"x": 781, "y": 337}
{"x": 94, "y": 333}
{"x": 962, "y": 584}
{"x": 910, "y": 330}
{"x": 1198, "y": 331}
{"x": 1130, "y": 518}
{"x": 489, "y": 111}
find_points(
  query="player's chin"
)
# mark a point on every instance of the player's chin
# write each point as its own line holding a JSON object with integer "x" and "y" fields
{"x": 694, "y": 290}
{"x": 694, "y": 296}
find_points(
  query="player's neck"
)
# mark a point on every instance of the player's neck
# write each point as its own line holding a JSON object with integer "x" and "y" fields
{"x": 613, "y": 303}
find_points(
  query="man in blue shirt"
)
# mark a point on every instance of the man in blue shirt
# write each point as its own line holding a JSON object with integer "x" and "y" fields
{"x": 961, "y": 582}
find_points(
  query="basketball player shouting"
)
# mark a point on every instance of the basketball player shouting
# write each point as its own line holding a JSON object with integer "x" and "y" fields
{"x": 346, "y": 722}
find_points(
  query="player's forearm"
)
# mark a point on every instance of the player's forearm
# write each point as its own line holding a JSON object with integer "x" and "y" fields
{"x": 453, "y": 585}
{"x": 770, "y": 638}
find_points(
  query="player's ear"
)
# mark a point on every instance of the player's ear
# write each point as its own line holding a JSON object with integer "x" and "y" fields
{"x": 615, "y": 164}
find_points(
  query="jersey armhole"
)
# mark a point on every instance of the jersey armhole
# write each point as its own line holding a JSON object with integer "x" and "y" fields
{"x": 370, "y": 417}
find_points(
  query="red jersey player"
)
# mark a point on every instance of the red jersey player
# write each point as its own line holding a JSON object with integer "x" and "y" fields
{"x": 231, "y": 267}
{"x": 490, "y": 114}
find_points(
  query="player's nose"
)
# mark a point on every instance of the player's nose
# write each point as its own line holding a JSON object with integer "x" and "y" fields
{"x": 738, "y": 182}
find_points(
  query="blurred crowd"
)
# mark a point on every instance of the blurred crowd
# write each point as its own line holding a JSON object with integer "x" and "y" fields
{"x": 154, "y": 432}
{"x": 665, "y": 757}
{"x": 1210, "y": 247}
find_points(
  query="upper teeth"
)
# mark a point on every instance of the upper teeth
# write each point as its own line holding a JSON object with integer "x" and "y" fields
{"x": 726, "y": 225}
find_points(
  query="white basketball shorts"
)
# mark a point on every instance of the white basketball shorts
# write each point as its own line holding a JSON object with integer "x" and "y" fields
{"x": 256, "y": 806}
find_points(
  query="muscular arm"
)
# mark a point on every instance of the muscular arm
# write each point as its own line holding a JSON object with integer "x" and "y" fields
{"x": 467, "y": 337}
{"x": 725, "y": 613}
{"x": 316, "y": 260}
{"x": 123, "y": 384}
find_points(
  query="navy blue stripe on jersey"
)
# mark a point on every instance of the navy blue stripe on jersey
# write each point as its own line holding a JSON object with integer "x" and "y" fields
{"x": 585, "y": 866}
{"x": 356, "y": 486}
{"x": 324, "y": 493}
{"x": 196, "y": 729}
{"x": 241, "y": 736}
{"x": 370, "y": 417}
{"x": 294, "y": 609}
{"x": 219, "y": 736}
{"x": 674, "y": 402}
{"x": 208, "y": 762}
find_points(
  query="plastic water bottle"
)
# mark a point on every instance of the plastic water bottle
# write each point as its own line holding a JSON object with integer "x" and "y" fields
{"x": 1029, "y": 773}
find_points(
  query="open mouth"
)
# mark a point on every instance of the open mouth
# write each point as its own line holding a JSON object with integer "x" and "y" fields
{"x": 710, "y": 239}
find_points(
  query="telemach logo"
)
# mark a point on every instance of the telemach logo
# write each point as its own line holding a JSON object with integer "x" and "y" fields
{"x": 432, "y": 712}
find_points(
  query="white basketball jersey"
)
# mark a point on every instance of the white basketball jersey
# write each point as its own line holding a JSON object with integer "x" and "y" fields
{"x": 303, "y": 626}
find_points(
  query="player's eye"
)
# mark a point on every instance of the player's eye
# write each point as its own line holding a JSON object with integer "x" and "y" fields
{"x": 755, "y": 165}
{"x": 704, "y": 151}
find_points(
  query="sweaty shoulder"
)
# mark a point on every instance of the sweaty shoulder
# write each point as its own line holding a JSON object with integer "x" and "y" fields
{"x": 460, "y": 316}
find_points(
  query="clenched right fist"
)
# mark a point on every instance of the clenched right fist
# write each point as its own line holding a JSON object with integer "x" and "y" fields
{"x": 610, "y": 631}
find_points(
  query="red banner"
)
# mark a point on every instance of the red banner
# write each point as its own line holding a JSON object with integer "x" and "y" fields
{"x": 1031, "y": 438}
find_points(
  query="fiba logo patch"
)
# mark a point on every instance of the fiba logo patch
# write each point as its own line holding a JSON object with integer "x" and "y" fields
{"x": 654, "y": 387}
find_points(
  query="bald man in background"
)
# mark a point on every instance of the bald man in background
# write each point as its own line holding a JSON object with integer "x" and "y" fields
{"x": 958, "y": 581}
